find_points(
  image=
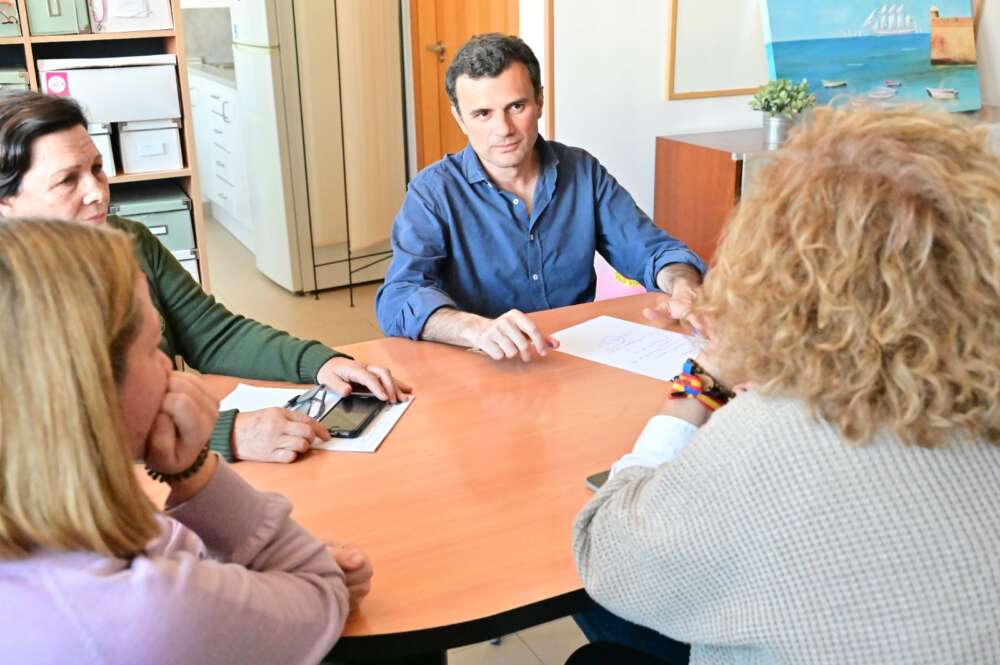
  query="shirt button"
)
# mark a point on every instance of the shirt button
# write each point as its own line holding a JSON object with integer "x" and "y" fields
{"x": 531, "y": 236}
{"x": 516, "y": 201}
{"x": 535, "y": 277}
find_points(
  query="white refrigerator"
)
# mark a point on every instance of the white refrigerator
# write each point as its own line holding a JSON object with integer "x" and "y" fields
{"x": 325, "y": 148}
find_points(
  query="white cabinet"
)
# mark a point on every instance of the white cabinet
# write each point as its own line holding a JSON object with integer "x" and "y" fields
{"x": 221, "y": 160}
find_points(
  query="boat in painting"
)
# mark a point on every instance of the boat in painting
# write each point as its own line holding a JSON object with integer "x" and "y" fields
{"x": 891, "y": 83}
{"x": 881, "y": 92}
{"x": 834, "y": 84}
{"x": 943, "y": 94}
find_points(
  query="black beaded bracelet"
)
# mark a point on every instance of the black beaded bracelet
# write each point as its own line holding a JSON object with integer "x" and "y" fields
{"x": 181, "y": 475}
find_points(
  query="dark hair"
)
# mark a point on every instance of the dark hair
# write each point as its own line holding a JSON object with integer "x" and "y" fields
{"x": 24, "y": 117}
{"x": 488, "y": 56}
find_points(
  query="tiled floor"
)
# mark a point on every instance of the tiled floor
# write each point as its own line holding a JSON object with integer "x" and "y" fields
{"x": 236, "y": 283}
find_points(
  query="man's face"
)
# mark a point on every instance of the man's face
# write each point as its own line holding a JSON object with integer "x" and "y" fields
{"x": 499, "y": 115}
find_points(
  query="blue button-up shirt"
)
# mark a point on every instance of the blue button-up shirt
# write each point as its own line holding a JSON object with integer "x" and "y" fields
{"x": 460, "y": 242}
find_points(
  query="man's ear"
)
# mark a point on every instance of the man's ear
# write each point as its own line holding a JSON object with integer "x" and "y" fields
{"x": 457, "y": 115}
{"x": 540, "y": 101}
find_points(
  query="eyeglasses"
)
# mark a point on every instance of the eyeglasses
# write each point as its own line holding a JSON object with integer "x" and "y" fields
{"x": 314, "y": 402}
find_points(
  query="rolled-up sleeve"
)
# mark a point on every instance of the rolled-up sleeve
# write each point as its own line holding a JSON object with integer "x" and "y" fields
{"x": 627, "y": 237}
{"x": 413, "y": 285}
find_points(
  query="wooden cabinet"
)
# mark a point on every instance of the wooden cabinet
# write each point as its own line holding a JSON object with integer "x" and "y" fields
{"x": 701, "y": 177}
{"x": 699, "y": 180}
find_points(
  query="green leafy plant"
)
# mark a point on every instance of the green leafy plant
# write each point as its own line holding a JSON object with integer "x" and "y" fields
{"x": 782, "y": 97}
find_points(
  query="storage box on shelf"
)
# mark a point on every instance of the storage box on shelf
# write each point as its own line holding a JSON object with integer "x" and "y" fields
{"x": 10, "y": 21}
{"x": 165, "y": 210}
{"x": 13, "y": 79}
{"x": 58, "y": 17}
{"x": 150, "y": 145}
{"x": 147, "y": 30}
{"x": 77, "y": 17}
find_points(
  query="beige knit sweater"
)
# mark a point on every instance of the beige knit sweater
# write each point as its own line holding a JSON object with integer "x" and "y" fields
{"x": 769, "y": 540}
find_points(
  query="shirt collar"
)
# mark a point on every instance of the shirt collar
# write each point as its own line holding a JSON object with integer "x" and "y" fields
{"x": 474, "y": 171}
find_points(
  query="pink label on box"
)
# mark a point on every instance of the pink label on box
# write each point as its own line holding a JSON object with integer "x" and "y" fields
{"x": 57, "y": 84}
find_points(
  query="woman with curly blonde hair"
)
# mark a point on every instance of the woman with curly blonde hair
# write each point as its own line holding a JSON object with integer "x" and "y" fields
{"x": 847, "y": 508}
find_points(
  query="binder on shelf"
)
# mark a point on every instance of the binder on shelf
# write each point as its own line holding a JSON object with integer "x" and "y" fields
{"x": 116, "y": 89}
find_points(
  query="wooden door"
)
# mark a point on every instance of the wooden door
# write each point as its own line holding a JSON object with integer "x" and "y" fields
{"x": 438, "y": 30}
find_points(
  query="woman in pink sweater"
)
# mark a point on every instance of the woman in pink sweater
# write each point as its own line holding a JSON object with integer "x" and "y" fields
{"x": 90, "y": 572}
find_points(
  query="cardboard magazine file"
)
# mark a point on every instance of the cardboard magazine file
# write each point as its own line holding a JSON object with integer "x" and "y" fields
{"x": 116, "y": 89}
{"x": 100, "y": 134}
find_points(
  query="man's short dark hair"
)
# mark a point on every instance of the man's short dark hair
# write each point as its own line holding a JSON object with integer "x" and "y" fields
{"x": 487, "y": 56}
{"x": 24, "y": 117}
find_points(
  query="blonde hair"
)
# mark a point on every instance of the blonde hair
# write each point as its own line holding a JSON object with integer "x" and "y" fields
{"x": 863, "y": 276}
{"x": 68, "y": 318}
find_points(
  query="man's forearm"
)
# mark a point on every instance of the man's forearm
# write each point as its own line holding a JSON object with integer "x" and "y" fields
{"x": 669, "y": 274}
{"x": 452, "y": 326}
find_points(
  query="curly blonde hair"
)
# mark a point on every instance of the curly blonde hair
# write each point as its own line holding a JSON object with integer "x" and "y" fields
{"x": 863, "y": 276}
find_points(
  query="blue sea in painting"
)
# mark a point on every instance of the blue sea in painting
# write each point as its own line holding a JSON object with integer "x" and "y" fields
{"x": 866, "y": 63}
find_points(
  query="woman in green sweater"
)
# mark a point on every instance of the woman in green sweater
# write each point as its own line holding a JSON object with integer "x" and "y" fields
{"x": 50, "y": 168}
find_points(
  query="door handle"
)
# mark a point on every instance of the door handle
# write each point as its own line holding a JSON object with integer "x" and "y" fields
{"x": 439, "y": 48}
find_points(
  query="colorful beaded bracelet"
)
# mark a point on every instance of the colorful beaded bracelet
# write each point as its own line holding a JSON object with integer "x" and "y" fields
{"x": 181, "y": 475}
{"x": 695, "y": 383}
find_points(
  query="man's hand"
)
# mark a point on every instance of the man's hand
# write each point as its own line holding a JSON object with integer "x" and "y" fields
{"x": 338, "y": 374}
{"x": 683, "y": 287}
{"x": 357, "y": 570}
{"x": 509, "y": 335}
{"x": 274, "y": 435}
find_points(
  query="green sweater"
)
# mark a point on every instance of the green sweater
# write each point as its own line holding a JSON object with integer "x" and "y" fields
{"x": 213, "y": 340}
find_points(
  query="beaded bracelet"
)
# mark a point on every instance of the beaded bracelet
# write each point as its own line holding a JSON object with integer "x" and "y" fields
{"x": 695, "y": 383}
{"x": 181, "y": 475}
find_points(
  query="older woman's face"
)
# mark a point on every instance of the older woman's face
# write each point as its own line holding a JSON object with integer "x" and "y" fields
{"x": 66, "y": 181}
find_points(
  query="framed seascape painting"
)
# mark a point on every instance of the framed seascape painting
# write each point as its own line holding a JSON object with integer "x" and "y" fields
{"x": 920, "y": 51}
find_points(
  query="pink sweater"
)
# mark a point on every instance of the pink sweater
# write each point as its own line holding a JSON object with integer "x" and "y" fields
{"x": 270, "y": 593}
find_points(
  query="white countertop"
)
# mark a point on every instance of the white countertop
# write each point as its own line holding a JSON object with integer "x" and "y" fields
{"x": 223, "y": 75}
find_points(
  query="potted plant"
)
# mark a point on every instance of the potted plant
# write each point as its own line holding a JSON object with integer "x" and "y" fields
{"x": 781, "y": 102}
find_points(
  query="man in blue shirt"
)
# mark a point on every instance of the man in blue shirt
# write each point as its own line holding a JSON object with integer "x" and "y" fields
{"x": 510, "y": 224}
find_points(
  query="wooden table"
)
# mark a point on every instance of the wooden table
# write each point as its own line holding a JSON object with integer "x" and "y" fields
{"x": 466, "y": 509}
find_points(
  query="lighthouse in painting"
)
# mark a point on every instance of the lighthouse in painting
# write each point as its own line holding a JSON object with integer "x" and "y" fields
{"x": 953, "y": 40}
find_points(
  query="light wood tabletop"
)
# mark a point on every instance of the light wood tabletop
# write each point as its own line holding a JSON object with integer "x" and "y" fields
{"x": 466, "y": 509}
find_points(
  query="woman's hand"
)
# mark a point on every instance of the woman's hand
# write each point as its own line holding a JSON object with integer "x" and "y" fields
{"x": 357, "y": 570}
{"x": 338, "y": 374}
{"x": 180, "y": 431}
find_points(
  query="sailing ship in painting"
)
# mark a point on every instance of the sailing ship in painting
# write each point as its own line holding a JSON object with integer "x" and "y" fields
{"x": 890, "y": 20}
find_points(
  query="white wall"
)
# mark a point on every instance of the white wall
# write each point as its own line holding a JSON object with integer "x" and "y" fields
{"x": 610, "y": 82}
{"x": 988, "y": 52}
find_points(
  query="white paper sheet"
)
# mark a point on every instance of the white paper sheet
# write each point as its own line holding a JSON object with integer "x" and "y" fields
{"x": 634, "y": 347}
{"x": 252, "y": 398}
{"x": 373, "y": 436}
